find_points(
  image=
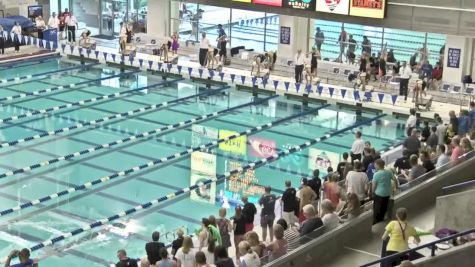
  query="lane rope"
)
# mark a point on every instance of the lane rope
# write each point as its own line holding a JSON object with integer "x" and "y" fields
{"x": 131, "y": 138}
{"x": 61, "y": 87}
{"x": 253, "y": 165}
{"x": 44, "y": 74}
{"x": 82, "y": 102}
{"x": 111, "y": 117}
{"x": 155, "y": 162}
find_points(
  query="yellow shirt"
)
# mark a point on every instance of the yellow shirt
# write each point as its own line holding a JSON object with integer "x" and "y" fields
{"x": 396, "y": 241}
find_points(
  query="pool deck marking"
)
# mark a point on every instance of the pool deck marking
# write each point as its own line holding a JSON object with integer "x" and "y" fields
{"x": 255, "y": 164}
{"x": 82, "y": 102}
{"x": 42, "y": 75}
{"x": 111, "y": 117}
{"x": 61, "y": 87}
{"x": 150, "y": 163}
{"x": 169, "y": 127}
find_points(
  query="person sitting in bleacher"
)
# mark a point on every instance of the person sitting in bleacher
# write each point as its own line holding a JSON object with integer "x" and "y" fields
{"x": 311, "y": 222}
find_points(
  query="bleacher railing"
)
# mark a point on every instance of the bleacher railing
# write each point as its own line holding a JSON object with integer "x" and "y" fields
{"x": 432, "y": 245}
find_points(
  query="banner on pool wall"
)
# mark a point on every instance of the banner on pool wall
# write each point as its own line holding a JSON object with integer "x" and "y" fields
{"x": 368, "y": 8}
{"x": 333, "y": 6}
{"x": 453, "y": 57}
{"x": 236, "y": 145}
{"x": 321, "y": 159}
{"x": 241, "y": 184}
{"x": 300, "y": 4}
{"x": 204, "y": 163}
{"x": 260, "y": 147}
{"x": 268, "y": 2}
{"x": 203, "y": 167}
{"x": 201, "y": 134}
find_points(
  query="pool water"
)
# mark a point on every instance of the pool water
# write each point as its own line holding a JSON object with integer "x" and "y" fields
{"x": 96, "y": 247}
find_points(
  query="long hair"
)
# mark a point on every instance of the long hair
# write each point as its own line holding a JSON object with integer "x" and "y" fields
{"x": 187, "y": 244}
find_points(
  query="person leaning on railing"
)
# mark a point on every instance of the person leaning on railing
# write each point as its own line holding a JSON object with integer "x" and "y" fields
{"x": 398, "y": 231}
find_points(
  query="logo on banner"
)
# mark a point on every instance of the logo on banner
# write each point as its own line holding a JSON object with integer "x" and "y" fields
{"x": 236, "y": 145}
{"x": 333, "y": 6}
{"x": 368, "y": 8}
{"x": 321, "y": 160}
{"x": 204, "y": 163}
{"x": 203, "y": 167}
{"x": 260, "y": 147}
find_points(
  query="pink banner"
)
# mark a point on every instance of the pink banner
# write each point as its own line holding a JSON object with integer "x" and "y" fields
{"x": 268, "y": 2}
{"x": 260, "y": 147}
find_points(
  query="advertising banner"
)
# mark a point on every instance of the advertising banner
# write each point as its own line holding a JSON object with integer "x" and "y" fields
{"x": 201, "y": 134}
{"x": 368, "y": 8}
{"x": 245, "y": 1}
{"x": 333, "y": 6}
{"x": 453, "y": 58}
{"x": 203, "y": 167}
{"x": 236, "y": 145}
{"x": 321, "y": 160}
{"x": 300, "y": 4}
{"x": 268, "y": 2}
{"x": 284, "y": 35}
{"x": 260, "y": 147}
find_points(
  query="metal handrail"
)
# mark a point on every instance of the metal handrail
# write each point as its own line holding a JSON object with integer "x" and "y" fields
{"x": 449, "y": 187}
{"x": 431, "y": 245}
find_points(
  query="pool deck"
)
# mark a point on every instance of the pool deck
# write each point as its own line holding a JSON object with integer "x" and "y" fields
{"x": 401, "y": 107}
{"x": 26, "y": 52}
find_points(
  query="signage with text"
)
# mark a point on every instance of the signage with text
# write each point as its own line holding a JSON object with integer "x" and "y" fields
{"x": 300, "y": 4}
{"x": 236, "y": 145}
{"x": 321, "y": 159}
{"x": 333, "y": 6}
{"x": 368, "y": 8}
{"x": 268, "y": 2}
{"x": 284, "y": 35}
{"x": 203, "y": 167}
{"x": 453, "y": 58}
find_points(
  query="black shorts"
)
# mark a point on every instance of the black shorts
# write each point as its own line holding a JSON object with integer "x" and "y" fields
{"x": 267, "y": 221}
{"x": 61, "y": 28}
{"x": 313, "y": 68}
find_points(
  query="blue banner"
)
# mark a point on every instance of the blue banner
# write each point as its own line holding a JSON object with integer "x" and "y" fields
{"x": 169, "y": 67}
{"x": 356, "y": 95}
{"x": 113, "y": 57}
{"x": 211, "y": 74}
{"x": 97, "y": 54}
{"x": 308, "y": 88}
{"x": 88, "y": 52}
{"x": 159, "y": 66}
{"x": 320, "y": 90}
{"x": 331, "y": 90}
{"x": 63, "y": 46}
{"x": 131, "y": 60}
{"x": 264, "y": 82}
{"x": 221, "y": 74}
{"x": 200, "y": 71}
{"x": 190, "y": 70}
{"x": 150, "y": 63}
{"x": 80, "y": 50}
{"x": 276, "y": 83}
{"x": 70, "y": 47}
{"x": 233, "y": 76}
{"x": 297, "y": 87}
{"x": 178, "y": 67}
{"x": 243, "y": 79}
{"x": 380, "y": 97}
{"x": 254, "y": 79}
{"x": 368, "y": 96}
{"x": 105, "y": 55}
{"x": 343, "y": 93}
{"x": 140, "y": 62}
{"x": 394, "y": 99}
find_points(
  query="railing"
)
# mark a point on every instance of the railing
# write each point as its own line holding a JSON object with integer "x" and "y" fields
{"x": 432, "y": 245}
{"x": 459, "y": 185}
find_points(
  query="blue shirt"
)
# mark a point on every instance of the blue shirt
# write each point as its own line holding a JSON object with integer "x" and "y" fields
{"x": 464, "y": 125}
{"x": 221, "y": 32}
{"x": 28, "y": 264}
{"x": 382, "y": 179}
{"x": 471, "y": 114}
{"x": 426, "y": 71}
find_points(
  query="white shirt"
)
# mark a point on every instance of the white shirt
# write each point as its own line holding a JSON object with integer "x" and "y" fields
{"x": 330, "y": 221}
{"x": 186, "y": 260}
{"x": 250, "y": 260}
{"x": 358, "y": 146}
{"x": 405, "y": 73}
{"x": 40, "y": 23}
{"x": 71, "y": 21}
{"x": 209, "y": 256}
{"x": 440, "y": 131}
{"x": 16, "y": 29}
{"x": 53, "y": 22}
{"x": 357, "y": 183}
{"x": 299, "y": 59}
{"x": 204, "y": 43}
{"x": 411, "y": 121}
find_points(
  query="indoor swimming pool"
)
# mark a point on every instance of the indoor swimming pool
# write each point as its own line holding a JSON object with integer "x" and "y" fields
{"x": 80, "y": 143}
